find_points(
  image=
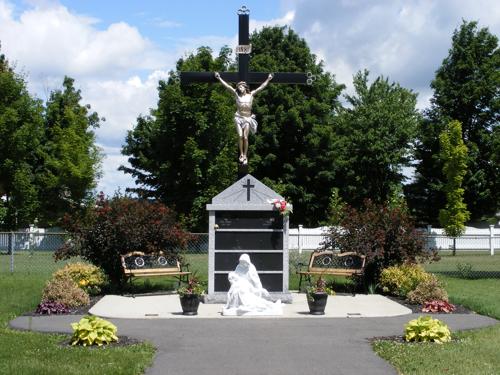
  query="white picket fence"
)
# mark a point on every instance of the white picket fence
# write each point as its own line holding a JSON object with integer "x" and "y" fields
{"x": 474, "y": 239}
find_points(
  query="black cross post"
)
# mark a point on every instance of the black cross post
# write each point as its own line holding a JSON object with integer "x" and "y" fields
{"x": 243, "y": 50}
{"x": 248, "y": 187}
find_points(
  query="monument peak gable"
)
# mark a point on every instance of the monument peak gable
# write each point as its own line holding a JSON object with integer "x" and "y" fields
{"x": 248, "y": 191}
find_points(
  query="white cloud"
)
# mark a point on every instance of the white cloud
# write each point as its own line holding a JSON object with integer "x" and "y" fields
{"x": 50, "y": 40}
{"x": 121, "y": 102}
{"x": 404, "y": 40}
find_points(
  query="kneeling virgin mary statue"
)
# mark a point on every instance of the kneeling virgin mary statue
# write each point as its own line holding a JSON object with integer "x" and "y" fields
{"x": 246, "y": 295}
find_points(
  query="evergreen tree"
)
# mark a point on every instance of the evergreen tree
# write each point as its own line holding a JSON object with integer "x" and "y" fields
{"x": 373, "y": 140}
{"x": 71, "y": 160}
{"x": 454, "y": 159}
{"x": 466, "y": 89}
{"x": 21, "y": 129}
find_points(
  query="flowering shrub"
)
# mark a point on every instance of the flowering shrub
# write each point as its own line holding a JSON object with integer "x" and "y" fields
{"x": 426, "y": 329}
{"x": 64, "y": 290}
{"x": 400, "y": 280}
{"x": 92, "y": 330}
{"x": 438, "y": 306}
{"x": 87, "y": 276}
{"x": 51, "y": 307}
{"x": 428, "y": 290}
{"x": 385, "y": 235}
{"x": 118, "y": 226}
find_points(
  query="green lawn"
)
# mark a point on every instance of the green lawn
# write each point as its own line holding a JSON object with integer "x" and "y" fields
{"x": 471, "y": 352}
{"x": 37, "y": 353}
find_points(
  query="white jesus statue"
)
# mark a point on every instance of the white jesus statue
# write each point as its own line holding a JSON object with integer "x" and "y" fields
{"x": 243, "y": 118}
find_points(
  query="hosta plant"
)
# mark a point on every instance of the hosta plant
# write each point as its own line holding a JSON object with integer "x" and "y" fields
{"x": 438, "y": 306}
{"x": 92, "y": 330}
{"x": 51, "y": 307}
{"x": 427, "y": 329}
{"x": 87, "y": 276}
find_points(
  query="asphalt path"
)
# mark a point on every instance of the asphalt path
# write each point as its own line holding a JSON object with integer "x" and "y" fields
{"x": 254, "y": 346}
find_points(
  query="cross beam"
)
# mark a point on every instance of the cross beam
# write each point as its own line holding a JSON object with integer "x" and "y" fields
{"x": 243, "y": 74}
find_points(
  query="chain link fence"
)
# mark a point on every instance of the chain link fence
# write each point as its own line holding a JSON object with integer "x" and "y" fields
{"x": 476, "y": 256}
{"x": 33, "y": 252}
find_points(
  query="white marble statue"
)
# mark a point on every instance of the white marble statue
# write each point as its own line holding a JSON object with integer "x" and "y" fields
{"x": 246, "y": 295}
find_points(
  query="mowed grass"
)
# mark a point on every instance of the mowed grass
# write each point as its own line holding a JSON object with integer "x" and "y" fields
{"x": 470, "y": 352}
{"x": 37, "y": 353}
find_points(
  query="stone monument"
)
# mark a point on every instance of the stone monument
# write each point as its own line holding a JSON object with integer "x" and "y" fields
{"x": 244, "y": 220}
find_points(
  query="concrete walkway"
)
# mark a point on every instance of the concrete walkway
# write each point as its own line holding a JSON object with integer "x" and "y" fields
{"x": 168, "y": 307}
{"x": 197, "y": 345}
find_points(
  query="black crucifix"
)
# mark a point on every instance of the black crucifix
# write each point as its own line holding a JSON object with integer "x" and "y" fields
{"x": 243, "y": 76}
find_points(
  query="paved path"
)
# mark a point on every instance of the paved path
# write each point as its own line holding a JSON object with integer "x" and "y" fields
{"x": 261, "y": 346}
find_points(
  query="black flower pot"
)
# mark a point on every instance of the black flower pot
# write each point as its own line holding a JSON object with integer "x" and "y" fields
{"x": 317, "y": 303}
{"x": 190, "y": 303}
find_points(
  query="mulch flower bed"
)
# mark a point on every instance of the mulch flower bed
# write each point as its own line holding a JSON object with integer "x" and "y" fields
{"x": 82, "y": 310}
{"x": 417, "y": 309}
{"x": 122, "y": 341}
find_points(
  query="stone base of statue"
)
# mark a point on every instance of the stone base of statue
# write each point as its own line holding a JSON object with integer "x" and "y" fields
{"x": 221, "y": 298}
{"x": 273, "y": 309}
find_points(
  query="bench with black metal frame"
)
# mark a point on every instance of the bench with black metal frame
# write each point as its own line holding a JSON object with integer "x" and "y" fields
{"x": 139, "y": 264}
{"x": 328, "y": 263}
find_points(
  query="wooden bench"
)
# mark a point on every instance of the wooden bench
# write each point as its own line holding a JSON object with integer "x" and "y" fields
{"x": 138, "y": 264}
{"x": 328, "y": 263}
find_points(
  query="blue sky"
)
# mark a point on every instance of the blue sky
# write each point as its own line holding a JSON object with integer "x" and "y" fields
{"x": 118, "y": 50}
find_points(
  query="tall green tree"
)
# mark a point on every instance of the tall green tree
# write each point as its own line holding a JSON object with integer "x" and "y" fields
{"x": 185, "y": 152}
{"x": 293, "y": 149}
{"x": 453, "y": 154}
{"x": 182, "y": 152}
{"x": 373, "y": 140}
{"x": 21, "y": 130}
{"x": 71, "y": 159}
{"x": 466, "y": 88}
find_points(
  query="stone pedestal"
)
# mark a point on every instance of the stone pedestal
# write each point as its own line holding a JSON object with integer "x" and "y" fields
{"x": 242, "y": 220}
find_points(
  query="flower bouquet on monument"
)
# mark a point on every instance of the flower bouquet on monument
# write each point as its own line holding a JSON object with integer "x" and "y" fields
{"x": 282, "y": 206}
{"x": 317, "y": 296}
{"x": 189, "y": 294}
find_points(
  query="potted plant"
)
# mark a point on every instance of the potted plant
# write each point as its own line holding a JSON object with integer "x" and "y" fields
{"x": 190, "y": 294}
{"x": 317, "y": 296}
